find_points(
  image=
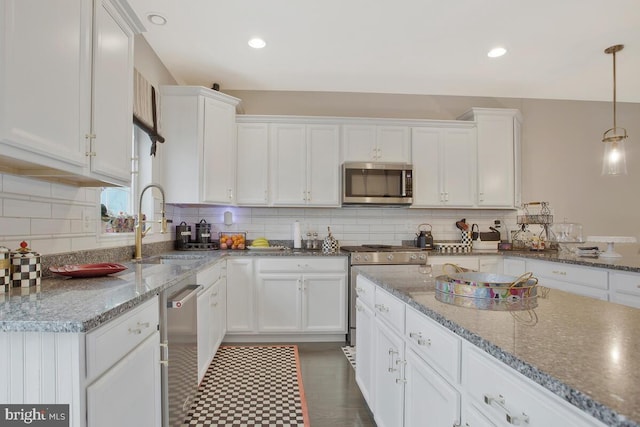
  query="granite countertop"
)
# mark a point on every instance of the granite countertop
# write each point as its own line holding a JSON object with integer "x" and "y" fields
{"x": 582, "y": 349}
{"x": 62, "y": 304}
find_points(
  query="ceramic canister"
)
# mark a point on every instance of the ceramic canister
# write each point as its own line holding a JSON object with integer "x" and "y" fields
{"x": 5, "y": 269}
{"x": 26, "y": 268}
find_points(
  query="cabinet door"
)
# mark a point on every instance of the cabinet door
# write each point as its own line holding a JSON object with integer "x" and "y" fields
{"x": 388, "y": 405}
{"x": 496, "y": 174}
{"x": 219, "y": 155}
{"x": 240, "y": 300}
{"x": 111, "y": 149}
{"x": 359, "y": 143}
{"x": 324, "y": 303}
{"x": 323, "y": 171}
{"x": 365, "y": 353}
{"x": 129, "y": 393}
{"x": 278, "y": 303}
{"x": 288, "y": 164}
{"x": 458, "y": 166}
{"x": 472, "y": 417}
{"x": 427, "y": 181}
{"x": 393, "y": 144}
{"x": 252, "y": 164}
{"x": 205, "y": 330}
{"x": 429, "y": 399}
{"x": 625, "y": 288}
{"x": 45, "y": 86}
{"x": 491, "y": 264}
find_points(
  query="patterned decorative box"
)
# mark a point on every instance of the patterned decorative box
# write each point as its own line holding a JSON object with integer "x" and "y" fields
{"x": 5, "y": 269}
{"x": 26, "y": 267}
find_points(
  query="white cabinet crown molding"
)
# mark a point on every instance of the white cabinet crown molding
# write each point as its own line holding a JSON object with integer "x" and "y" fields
{"x": 257, "y": 118}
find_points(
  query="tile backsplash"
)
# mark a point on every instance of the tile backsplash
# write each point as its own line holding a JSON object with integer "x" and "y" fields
{"x": 56, "y": 218}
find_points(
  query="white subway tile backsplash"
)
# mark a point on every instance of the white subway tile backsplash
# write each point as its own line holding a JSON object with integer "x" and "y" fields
{"x": 66, "y": 192}
{"x": 26, "y": 208}
{"x": 15, "y": 227}
{"x": 50, "y": 226}
{"x": 25, "y": 186}
{"x": 54, "y": 245}
{"x": 67, "y": 211}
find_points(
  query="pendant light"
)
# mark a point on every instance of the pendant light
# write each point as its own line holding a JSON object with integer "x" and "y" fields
{"x": 614, "y": 161}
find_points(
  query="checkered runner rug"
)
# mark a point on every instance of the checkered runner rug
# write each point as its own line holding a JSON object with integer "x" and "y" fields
{"x": 251, "y": 386}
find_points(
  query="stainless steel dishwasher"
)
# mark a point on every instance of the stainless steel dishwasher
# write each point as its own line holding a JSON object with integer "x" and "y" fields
{"x": 179, "y": 350}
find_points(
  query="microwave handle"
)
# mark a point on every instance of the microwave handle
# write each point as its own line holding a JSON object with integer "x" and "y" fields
{"x": 404, "y": 183}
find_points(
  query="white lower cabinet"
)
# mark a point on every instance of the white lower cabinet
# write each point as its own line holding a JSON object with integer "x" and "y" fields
{"x": 506, "y": 397}
{"x": 240, "y": 295}
{"x": 580, "y": 280}
{"x": 624, "y": 288}
{"x": 129, "y": 393}
{"x": 514, "y": 267}
{"x": 211, "y": 323}
{"x": 301, "y": 295}
{"x": 388, "y": 377}
{"x": 430, "y": 401}
{"x": 364, "y": 355}
{"x": 286, "y": 296}
{"x": 425, "y": 375}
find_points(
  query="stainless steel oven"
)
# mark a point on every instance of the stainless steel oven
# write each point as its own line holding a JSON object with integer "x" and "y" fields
{"x": 376, "y": 255}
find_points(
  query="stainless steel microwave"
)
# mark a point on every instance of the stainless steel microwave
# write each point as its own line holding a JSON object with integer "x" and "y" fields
{"x": 377, "y": 183}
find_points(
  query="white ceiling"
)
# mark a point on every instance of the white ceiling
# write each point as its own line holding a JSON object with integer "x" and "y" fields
{"x": 555, "y": 47}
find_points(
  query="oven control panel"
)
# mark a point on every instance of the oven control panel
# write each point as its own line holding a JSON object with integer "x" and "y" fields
{"x": 389, "y": 258}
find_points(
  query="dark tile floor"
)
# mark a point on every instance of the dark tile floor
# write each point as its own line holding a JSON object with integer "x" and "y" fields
{"x": 333, "y": 397}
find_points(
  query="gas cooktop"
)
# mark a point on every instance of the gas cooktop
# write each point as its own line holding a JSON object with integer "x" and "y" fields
{"x": 380, "y": 248}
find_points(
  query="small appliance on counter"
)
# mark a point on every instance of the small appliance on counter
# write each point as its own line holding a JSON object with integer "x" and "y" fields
{"x": 424, "y": 238}
{"x": 202, "y": 240}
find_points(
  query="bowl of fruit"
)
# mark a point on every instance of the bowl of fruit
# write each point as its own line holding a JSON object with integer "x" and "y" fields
{"x": 235, "y": 241}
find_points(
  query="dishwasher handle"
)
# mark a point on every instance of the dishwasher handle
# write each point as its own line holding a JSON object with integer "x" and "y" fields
{"x": 179, "y": 298}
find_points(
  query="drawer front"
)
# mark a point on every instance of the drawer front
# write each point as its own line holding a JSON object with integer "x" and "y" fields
{"x": 625, "y": 283}
{"x": 502, "y": 395}
{"x": 302, "y": 265}
{"x": 210, "y": 275}
{"x": 365, "y": 290}
{"x": 390, "y": 309}
{"x": 437, "y": 345}
{"x": 592, "y": 277}
{"x": 112, "y": 341}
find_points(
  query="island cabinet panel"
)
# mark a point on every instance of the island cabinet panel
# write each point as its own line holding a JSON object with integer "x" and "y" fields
{"x": 364, "y": 356}
{"x": 506, "y": 397}
{"x": 96, "y": 373}
{"x": 430, "y": 401}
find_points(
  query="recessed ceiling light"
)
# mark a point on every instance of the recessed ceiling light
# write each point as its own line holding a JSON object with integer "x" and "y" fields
{"x": 257, "y": 43}
{"x": 496, "y": 52}
{"x": 156, "y": 19}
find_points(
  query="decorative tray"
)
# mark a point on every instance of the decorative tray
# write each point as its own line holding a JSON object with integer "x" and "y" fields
{"x": 88, "y": 270}
{"x": 266, "y": 248}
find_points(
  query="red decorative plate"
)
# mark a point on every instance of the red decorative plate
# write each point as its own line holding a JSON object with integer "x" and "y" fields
{"x": 88, "y": 270}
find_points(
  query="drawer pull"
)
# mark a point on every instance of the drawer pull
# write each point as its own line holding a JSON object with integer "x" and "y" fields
{"x": 561, "y": 273}
{"x": 143, "y": 324}
{"x": 516, "y": 420}
{"x": 391, "y": 353}
{"x": 360, "y": 290}
{"x": 381, "y": 308}
{"x": 136, "y": 331}
{"x": 418, "y": 337}
{"x": 359, "y": 307}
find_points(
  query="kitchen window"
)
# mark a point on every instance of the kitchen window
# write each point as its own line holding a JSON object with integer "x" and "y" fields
{"x": 118, "y": 204}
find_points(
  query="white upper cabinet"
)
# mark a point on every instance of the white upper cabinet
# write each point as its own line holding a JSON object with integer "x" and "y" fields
{"x": 252, "y": 164}
{"x": 200, "y": 150}
{"x": 498, "y": 156}
{"x": 443, "y": 166}
{"x": 376, "y": 143}
{"x": 305, "y": 164}
{"x": 66, "y": 85}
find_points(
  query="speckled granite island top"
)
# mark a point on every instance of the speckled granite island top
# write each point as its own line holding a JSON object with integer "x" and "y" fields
{"x": 584, "y": 350}
{"x": 80, "y": 304}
